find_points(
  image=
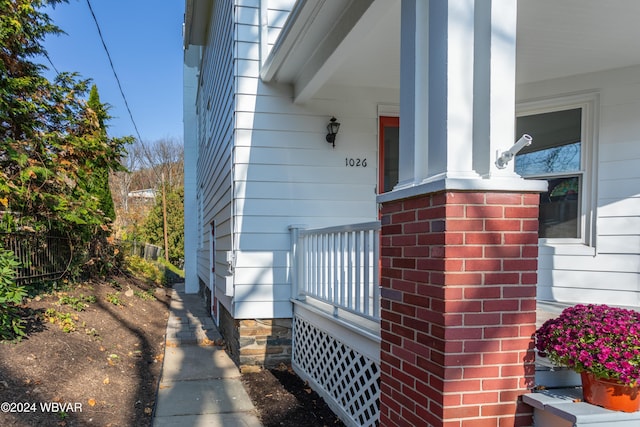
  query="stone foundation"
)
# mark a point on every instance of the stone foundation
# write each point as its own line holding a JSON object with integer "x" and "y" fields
{"x": 256, "y": 342}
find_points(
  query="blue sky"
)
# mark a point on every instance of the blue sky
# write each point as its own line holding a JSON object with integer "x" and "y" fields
{"x": 144, "y": 38}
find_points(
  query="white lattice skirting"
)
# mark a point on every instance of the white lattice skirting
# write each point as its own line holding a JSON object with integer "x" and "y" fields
{"x": 346, "y": 378}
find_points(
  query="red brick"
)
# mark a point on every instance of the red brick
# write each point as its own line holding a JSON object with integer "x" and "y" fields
{"x": 416, "y": 227}
{"x": 520, "y": 264}
{"x": 512, "y": 371}
{"x": 430, "y": 264}
{"x": 515, "y": 344}
{"x": 484, "y": 211}
{"x": 416, "y": 203}
{"x": 503, "y": 198}
{"x": 419, "y": 276}
{"x": 520, "y": 291}
{"x": 481, "y": 372}
{"x": 480, "y": 422}
{"x": 430, "y": 366}
{"x": 403, "y": 286}
{"x": 502, "y": 278}
{"x": 454, "y": 239}
{"x": 480, "y": 398}
{"x": 466, "y": 198}
{"x": 403, "y": 240}
{"x": 455, "y": 211}
{"x": 527, "y": 304}
{"x": 498, "y": 410}
{"x": 501, "y": 358}
{"x": 387, "y": 336}
{"x": 529, "y": 251}
{"x": 521, "y": 238}
{"x": 483, "y": 238}
{"x": 502, "y": 251}
{"x": 388, "y": 230}
{"x": 402, "y": 331}
{"x": 463, "y": 333}
{"x": 502, "y": 225}
{"x": 464, "y": 359}
{"x": 482, "y": 292}
{"x": 464, "y": 251}
{"x": 463, "y": 278}
{"x": 403, "y": 263}
{"x": 464, "y": 306}
{"x": 481, "y": 346}
{"x": 501, "y": 332}
{"x": 402, "y": 217}
{"x": 433, "y": 213}
{"x": 519, "y": 318}
{"x": 521, "y": 212}
{"x": 463, "y": 385}
{"x": 405, "y": 356}
{"x": 482, "y": 319}
{"x": 402, "y": 308}
{"x": 413, "y": 323}
{"x": 431, "y": 239}
{"x": 501, "y": 305}
{"x": 461, "y": 412}
{"x": 500, "y": 384}
{"x": 482, "y": 265}
{"x": 465, "y": 225}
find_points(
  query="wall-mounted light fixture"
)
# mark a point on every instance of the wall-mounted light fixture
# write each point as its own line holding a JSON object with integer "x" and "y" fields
{"x": 503, "y": 159}
{"x": 332, "y": 129}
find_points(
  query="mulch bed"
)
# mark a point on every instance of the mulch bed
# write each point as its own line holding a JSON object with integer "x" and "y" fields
{"x": 105, "y": 368}
{"x": 104, "y": 371}
{"x": 284, "y": 400}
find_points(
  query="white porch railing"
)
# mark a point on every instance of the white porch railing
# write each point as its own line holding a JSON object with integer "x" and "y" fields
{"x": 338, "y": 266}
{"x": 336, "y": 310}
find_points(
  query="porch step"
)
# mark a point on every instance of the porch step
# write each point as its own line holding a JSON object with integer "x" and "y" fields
{"x": 564, "y": 407}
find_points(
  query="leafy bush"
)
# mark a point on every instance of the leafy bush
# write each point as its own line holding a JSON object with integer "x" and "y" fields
{"x": 11, "y": 325}
{"x": 160, "y": 272}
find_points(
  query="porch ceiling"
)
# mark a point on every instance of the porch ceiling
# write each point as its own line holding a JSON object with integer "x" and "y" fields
{"x": 556, "y": 38}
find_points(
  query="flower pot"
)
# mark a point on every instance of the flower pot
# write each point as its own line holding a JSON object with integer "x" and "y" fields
{"x": 610, "y": 394}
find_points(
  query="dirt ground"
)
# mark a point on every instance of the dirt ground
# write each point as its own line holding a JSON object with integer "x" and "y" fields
{"x": 284, "y": 400}
{"x": 98, "y": 366}
{"x": 93, "y": 357}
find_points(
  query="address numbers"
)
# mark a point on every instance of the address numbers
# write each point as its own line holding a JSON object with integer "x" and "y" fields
{"x": 355, "y": 163}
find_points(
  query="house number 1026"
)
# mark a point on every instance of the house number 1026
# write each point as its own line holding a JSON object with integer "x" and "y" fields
{"x": 355, "y": 163}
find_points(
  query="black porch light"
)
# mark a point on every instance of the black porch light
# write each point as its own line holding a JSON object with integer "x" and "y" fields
{"x": 332, "y": 129}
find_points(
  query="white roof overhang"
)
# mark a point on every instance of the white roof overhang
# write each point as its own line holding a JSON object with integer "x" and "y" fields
{"x": 196, "y": 20}
{"x": 357, "y": 42}
{"x": 317, "y": 38}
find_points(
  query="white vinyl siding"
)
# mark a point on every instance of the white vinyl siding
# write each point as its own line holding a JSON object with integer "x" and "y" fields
{"x": 284, "y": 172}
{"x": 609, "y": 270}
{"x": 215, "y": 124}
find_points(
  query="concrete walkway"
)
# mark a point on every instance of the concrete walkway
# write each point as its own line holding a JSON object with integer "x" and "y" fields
{"x": 200, "y": 384}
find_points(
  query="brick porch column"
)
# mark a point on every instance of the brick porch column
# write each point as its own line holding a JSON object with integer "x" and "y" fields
{"x": 458, "y": 308}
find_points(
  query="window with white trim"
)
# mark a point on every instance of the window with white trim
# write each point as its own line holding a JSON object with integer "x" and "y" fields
{"x": 562, "y": 153}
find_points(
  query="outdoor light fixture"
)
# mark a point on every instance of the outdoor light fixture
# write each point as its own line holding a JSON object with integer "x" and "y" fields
{"x": 332, "y": 128}
{"x": 506, "y": 156}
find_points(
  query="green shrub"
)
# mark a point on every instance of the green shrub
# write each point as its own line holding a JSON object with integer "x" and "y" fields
{"x": 160, "y": 272}
{"x": 11, "y": 325}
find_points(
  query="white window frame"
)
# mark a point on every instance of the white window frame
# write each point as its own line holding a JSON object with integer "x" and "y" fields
{"x": 589, "y": 103}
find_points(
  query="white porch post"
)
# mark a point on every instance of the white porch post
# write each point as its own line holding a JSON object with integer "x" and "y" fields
{"x": 459, "y": 236}
{"x": 457, "y": 95}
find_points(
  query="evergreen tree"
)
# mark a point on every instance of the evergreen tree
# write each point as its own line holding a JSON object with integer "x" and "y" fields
{"x": 98, "y": 182}
{"x": 153, "y": 230}
{"x": 50, "y": 139}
